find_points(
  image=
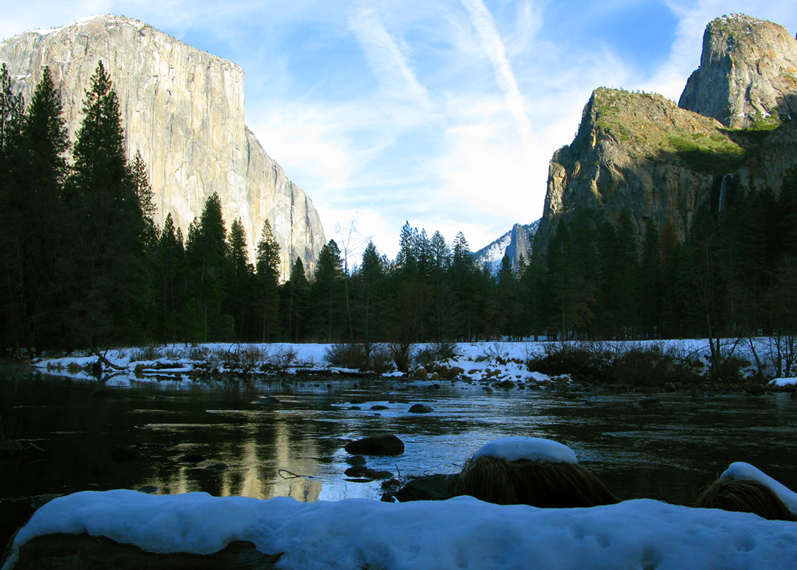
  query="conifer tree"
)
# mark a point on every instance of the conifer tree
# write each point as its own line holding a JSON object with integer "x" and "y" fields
{"x": 107, "y": 269}
{"x": 169, "y": 282}
{"x": 11, "y": 270}
{"x": 370, "y": 287}
{"x": 295, "y": 294}
{"x": 206, "y": 256}
{"x": 40, "y": 164}
{"x": 267, "y": 298}
{"x": 146, "y": 201}
{"x": 327, "y": 291}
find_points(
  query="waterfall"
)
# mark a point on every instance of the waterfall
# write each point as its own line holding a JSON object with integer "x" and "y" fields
{"x": 722, "y": 204}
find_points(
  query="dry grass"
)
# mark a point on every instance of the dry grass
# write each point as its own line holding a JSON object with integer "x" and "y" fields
{"x": 537, "y": 483}
{"x": 744, "y": 497}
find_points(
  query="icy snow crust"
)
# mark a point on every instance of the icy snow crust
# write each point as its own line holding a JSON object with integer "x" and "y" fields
{"x": 530, "y": 448}
{"x": 741, "y": 471}
{"x": 459, "y": 533}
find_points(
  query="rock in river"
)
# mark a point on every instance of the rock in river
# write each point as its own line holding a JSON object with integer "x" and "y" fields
{"x": 387, "y": 444}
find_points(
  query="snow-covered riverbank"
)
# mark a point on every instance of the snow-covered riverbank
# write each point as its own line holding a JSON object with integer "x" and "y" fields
{"x": 458, "y": 533}
{"x": 495, "y": 363}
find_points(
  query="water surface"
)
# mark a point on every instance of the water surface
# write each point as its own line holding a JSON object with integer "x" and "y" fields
{"x": 95, "y": 438}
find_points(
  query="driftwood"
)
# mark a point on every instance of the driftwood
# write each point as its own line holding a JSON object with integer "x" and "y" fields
{"x": 84, "y": 552}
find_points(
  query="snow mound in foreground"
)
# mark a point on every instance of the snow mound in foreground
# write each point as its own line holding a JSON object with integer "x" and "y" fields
{"x": 529, "y": 448}
{"x": 461, "y": 533}
{"x": 741, "y": 471}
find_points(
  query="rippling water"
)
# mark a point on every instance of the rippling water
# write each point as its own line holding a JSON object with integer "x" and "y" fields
{"x": 295, "y": 447}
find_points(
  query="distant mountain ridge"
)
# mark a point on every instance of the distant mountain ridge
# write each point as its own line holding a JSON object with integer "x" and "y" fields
{"x": 661, "y": 162}
{"x": 515, "y": 243}
{"x": 183, "y": 109}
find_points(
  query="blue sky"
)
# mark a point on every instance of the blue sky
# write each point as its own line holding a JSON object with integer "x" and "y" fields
{"x": 443, "y": 113}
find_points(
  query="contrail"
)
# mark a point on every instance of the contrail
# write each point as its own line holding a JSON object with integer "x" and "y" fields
{"x": 484, "y": 23}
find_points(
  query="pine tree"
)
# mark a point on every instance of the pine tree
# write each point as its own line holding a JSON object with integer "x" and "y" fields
{"x": 295, "y": 298}
{"x": 208, "y": 266}
{"x": 651, "y": 280}
{"x": 169, "y": 282}
{"x": 267, "y": 298}
{"x": 327, "y": 291}
{"x": 12, "y": 310}
{"x": 140, "y": 176}
{"x": 40, "y": 164}
{"x": 371, "y": 295}
{"x": 107, "y": 265}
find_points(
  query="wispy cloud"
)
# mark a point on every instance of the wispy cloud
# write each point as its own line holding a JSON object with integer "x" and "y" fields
{"x": 485, "y": 27}
{"x": 386, "y": 59}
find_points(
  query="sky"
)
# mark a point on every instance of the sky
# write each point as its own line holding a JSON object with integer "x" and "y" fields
{"x": 442, "y": 113}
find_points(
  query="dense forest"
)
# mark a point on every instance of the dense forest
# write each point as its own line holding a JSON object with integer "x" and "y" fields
{"x": 84, "y": 265}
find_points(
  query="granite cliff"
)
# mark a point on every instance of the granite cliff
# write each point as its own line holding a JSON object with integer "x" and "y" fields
{"x": 183, "y": 109}
{"x": 662, "y": 162}
{"x": 747, "y": 74}
{"x": 515, "y": 243}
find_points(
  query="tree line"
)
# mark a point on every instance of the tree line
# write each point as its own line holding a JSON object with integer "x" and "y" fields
{"x": 84, "y": 264}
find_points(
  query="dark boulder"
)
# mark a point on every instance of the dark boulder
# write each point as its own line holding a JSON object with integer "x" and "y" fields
{"x": 430, "y": 488}
{"x": 420, "y": 409}
{"x": 649, "y": 403}
{"x": 386, "y": 444}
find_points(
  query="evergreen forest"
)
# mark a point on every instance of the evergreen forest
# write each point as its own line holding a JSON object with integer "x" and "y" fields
{"x": 84, "y": 265}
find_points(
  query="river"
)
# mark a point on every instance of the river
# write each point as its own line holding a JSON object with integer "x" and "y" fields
{"x": 98, "y": 438}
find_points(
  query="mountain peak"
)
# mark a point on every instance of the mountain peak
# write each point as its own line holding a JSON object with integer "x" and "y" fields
{"x": 747, "y": 75}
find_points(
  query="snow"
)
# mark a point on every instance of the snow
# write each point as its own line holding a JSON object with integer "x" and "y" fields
{"x": 530, "y": 448}
{"x": 459, "y": 533}
{"x": 746, "y": 472}
{"x": 784, "y": 381}
{"x": 497, "y": 361}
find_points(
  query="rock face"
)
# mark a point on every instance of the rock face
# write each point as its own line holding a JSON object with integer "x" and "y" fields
{"x": 183, "y": 109}
{"x": 641, "y": 152}
{"x": 747, "y": 74}
{"x": 515, "y": 243}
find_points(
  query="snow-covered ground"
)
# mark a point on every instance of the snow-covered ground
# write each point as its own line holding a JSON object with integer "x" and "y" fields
{"x": 459, "y": 533}
{"x": 482, "y": 361}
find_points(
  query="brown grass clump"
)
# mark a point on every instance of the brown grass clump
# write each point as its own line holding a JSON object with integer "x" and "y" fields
{"x": 536, "y": 483}
{"x": 744, "y": 497}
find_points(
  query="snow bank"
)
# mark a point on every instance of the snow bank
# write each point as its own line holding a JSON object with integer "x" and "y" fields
{"x": 745, "y": 472}
{"x": 458, "y": 533}
{"x": 529, "y": 448}
{"x": 783, "y": 381}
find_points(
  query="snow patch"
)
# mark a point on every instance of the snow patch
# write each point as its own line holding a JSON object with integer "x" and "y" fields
{"x": 741, "y": 471}
{"x": 459, "y": 533}
{"x": 529, "y": 448}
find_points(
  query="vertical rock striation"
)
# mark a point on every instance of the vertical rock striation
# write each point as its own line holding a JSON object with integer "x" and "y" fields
{"x": 183, "y": 109}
